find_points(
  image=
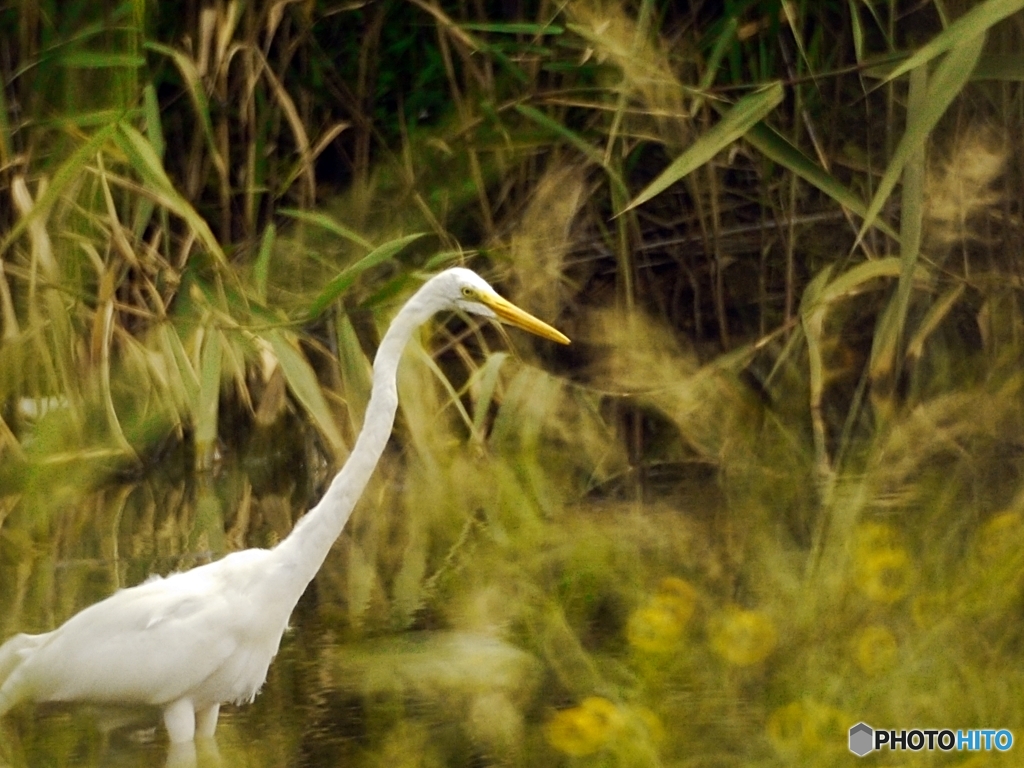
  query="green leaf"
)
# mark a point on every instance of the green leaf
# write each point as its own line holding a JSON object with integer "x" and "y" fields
{"x": 725, "y": 40}
{"x": 302, "y": 382}
{"x": 154, "y": 126}
{"x": 154, "y": 132}
{"x": 857, "y": 31}
{"x": 737, "y": 122}
{"x": 65, "y": 121}
{"x": 854, "y": 278}
{"x": 69, "y": 171}
{"x": 936, "y": 313}
{"x": 6, "y": 137}
{"x": 355, "y": 369}
{"x": 197, "y": 92}
{"x": 100, "y": 60}
{"x": 962, "y": 32}
{"x": 588, "y": 149}
{"x": 486, "y": 379}
{"x": 261, "y": 269}
{"x": 948, "y": 80}
{"x": 912, "y": 200}
{"x": 332, "y": 225}
{"x": 515, "y": 28}
{"x": 1001, "y": 67}
{"x": 209, "y": 391}
{"x": 777, "y": 148}
{"x": 185, "y": 384}
{"x": 146, "y": 162}
{"x": 346, "y": 277}
{"x": 584, "y": 146}
{"x": 446, "y": 259}
{"x": 891, "y": 326}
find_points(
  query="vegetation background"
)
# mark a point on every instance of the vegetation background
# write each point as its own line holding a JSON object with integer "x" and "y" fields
{"x": 775, "y": 486}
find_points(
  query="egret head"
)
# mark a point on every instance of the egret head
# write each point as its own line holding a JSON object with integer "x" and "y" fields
{"x": 468, "y": 292}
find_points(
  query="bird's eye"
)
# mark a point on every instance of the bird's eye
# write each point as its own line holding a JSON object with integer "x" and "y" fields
{"x": 468, "y": 292}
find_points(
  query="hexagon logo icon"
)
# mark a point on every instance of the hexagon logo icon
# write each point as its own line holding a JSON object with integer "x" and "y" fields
{"x": 862, "y": 737}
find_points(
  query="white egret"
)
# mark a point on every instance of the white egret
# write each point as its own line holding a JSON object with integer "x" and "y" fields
{"x": 196, "y": 639}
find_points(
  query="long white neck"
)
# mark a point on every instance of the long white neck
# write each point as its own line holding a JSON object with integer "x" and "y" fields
{"x": 306, "y": 547}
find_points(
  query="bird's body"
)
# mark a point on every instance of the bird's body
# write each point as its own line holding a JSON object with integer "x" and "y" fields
{"x": 212, "y": 626}
{"x": 191, "y": 641}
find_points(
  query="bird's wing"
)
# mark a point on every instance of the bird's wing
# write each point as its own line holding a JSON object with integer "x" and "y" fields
{"x": 12, "y": 655}
{"x": 151, "y": 644}
{"x": 15, "y": 650}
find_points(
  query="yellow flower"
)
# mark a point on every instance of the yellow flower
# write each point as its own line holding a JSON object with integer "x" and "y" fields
{"x": 655, "y": 628}
{"x": 584, "y": 729}
{"x": 743, "y": 637}
{"x": 651, "y": 723}
{"x": 875, "y": 649}
{"x": 679, "y": 596}
{"x": 884, "y": 575}
{"x": 1000, "y": 535}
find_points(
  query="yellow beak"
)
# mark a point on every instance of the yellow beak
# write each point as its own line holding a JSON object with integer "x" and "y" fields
{"x": 509, "y": 313}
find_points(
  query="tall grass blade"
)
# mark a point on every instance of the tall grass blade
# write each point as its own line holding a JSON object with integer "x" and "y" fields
{"x": 355, "y": 370}
{"x": 736, "y": 123}
{"x": 205, "y": 418}
{"x": 812, "y": 318}
{"x": 302, "y": 381}
{"x": 332, "y": 225}
{"x": 99, "y": 60}
{"x": 155, "y": 134}
{"x": 854, "y": 279}
{"x": 197, "y": 92}
{"x": 305, "y": 163}
{"x": 777, "y": 148}
{"x": 587, "y": 149}
{"x": 261, "y": 269}
{"x": 726, "y": 39}
{"x": 890, "y": 333}
{"x": 113, "y": 422}
{"x": 67, "y": 173}
{"x": 6, "y": 137}
{"x": 949, "y": 79}
{"x": 343, "y": 281}
{"x": 304, "y": 166}
{"x": 486, "y": 382}
{"x": 819, "y": 295}
{"x": 514, "y": 28}
{"x": 936, "y": 313}
{"x": 146, "y": 162}
{"x": 184, "y": 382}
{"x": 446, "y": 384}
{"x": 973, "y": 24}
{"x": 857, "y": 30}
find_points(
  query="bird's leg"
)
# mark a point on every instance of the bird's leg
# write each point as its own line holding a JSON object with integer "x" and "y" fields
{"x": 181, "y": 755}
{"x": 208, "y": 753}
{"x": 180, "y": 720}
{"x": 206, "y": 721}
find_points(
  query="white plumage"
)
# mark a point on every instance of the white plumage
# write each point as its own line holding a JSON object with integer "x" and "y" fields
{"x": 196, "y": 639}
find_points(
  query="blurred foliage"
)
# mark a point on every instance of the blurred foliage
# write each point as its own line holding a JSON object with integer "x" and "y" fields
{"x": 774, "y": 487}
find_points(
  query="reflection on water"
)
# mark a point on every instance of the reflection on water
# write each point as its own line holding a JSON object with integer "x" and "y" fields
{"x": 55, "y": 561}
{"x": 454, "y": 698}
{"x": 414, "y": 646}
